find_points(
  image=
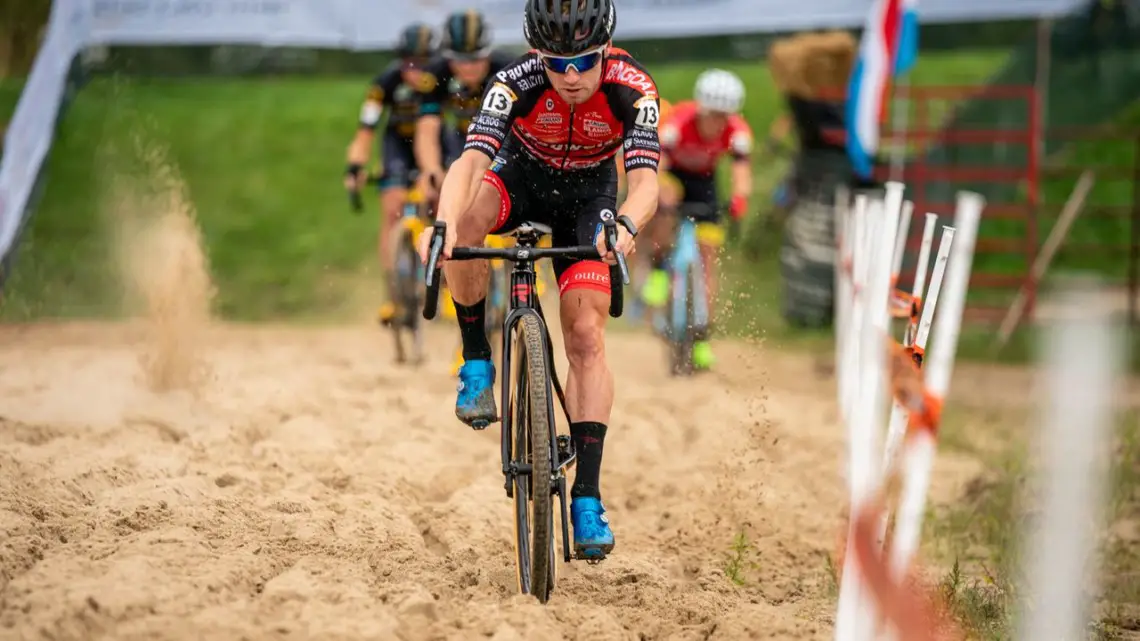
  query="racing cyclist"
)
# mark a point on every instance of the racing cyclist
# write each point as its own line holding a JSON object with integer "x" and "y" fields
{"x": 541, "y": 149}
{"x": 454, "y": 84}
{"x": 396, "y": 92}
{"x": 693, "y": 139}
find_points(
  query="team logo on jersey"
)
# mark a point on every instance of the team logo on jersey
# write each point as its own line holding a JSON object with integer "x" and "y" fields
{"x": 596, "y": 127}
{"x": 454, "y": 86}
{"x": 552, "y": 119}
{"x": 550, "y": 104}
{"x": 630, "y": 76}
{"x": 403, "y": 93}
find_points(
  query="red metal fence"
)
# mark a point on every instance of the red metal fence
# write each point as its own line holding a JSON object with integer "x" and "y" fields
{"x": 1016, "y": 219}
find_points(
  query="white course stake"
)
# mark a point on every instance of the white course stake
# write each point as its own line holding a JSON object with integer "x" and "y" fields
{"x": 900, "y": 240}
{"x": 938, "y": 367}
{"x": 896, "y": 430}
{"x": 1084, "y": 358}
{"x": 856, "y": 615}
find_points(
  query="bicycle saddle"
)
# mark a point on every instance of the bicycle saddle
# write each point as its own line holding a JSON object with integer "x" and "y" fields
{"x": 531, "y": 227}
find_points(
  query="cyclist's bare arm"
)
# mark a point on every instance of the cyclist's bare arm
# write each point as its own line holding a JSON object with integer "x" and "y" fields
{"x": 360, "y": 148}
{"x": 429, "y": 156}
{"x": 371, "y": 113}
{"x": 461, "y": 184}
{"x": 740, "y": 146}
{"x": 742, "y": 177}
{"x": 641, "y": 199}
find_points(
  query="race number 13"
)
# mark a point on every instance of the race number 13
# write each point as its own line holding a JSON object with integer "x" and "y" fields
{"x": 647, "y": 115}
{"x": 498, "y": 101}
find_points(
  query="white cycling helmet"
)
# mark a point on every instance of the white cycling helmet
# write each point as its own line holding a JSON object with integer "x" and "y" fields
{"x": 719, "y": 90}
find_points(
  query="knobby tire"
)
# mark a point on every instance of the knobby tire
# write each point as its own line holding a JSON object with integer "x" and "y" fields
{"x": 681, "y": 346}
{"x": 532, "y": 443}
{"x": 407, "y": 295}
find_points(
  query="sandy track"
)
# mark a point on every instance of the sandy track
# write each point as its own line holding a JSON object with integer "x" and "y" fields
{"x": 311, "y": 489}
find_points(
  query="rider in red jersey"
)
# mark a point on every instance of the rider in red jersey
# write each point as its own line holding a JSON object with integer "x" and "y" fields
{"x": 541, "y": 149}
{"x": 694, "y": 138}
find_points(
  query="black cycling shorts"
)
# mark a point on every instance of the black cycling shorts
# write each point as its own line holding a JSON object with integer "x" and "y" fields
{"x": 699, "y": 189}
{"x": 399, "y": 156}
{"x": 572, "y": 203}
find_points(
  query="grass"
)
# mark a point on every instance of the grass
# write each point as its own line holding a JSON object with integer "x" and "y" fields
{"x": 1098, "y": 239}
{"x": 262, "y": 161}
{"x": 978, "y": 536}
{"x": 742, "y": 557}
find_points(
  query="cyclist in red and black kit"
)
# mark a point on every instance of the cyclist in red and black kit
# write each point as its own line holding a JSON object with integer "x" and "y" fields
{"x": 454, "y": 84}
{"x": 543, "y": 144}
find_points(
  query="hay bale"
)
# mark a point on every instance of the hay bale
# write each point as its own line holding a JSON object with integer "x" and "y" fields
{"x": 812, "y": 65}
{"x": 785, "y": 63}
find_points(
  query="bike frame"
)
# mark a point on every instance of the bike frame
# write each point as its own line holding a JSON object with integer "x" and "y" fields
{"x": 523, "y": 301}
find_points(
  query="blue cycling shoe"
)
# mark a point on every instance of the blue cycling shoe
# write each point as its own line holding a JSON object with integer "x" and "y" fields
{"x": 593, "y": 539}
{"x": 476, "y": 403}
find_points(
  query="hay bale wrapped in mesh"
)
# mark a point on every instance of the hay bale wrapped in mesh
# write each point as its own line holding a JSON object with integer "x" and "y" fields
{"x": 812, "y": 67}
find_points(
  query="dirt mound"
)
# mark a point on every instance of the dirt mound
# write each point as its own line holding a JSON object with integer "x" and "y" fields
{"x": 310, "y": 489}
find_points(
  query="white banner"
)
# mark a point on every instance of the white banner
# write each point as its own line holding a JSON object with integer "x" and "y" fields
{"x": 375, "y": 24}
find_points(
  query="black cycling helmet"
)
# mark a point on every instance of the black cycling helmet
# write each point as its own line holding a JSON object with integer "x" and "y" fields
{"x": 569, "y": 27}
{"x": 466, "y": 35}
{"x": 416, "y": 41}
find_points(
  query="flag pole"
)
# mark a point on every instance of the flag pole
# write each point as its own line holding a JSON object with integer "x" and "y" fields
{"x": 900, "y": 120}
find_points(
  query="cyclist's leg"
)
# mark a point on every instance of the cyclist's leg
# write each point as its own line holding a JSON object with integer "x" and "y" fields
{"x": 585, "y": 297}
{"x": 659, "y": 234}
{"x": 490, "y": 212}
{"x": 710, "y": 238}
{"x": 450, "y": 147}
{"x": 398, "y": 160}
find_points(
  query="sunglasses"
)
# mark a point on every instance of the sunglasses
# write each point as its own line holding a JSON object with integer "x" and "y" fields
{"x": 581, "y": 63}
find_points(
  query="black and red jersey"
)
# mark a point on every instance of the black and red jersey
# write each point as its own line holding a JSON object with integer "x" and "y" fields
{"x": 623, "y": 112}
{"x": 689, "y": 152}
{"x": 388, "y": 92}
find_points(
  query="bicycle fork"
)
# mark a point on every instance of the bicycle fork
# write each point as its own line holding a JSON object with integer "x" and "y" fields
{"x": 523, "y": 299}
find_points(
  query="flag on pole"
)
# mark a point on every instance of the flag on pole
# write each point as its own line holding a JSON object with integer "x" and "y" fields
{"x": 888, "y": 48}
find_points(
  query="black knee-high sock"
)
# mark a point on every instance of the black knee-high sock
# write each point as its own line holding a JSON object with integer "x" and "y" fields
{"x": 473, "y": 331}
{"x": 588, "y": 439}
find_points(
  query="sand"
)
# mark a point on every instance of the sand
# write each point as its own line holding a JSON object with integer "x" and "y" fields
{"x": 179, "y": 478}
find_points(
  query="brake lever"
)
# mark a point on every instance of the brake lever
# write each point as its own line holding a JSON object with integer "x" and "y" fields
{"x": 611, "y": 246}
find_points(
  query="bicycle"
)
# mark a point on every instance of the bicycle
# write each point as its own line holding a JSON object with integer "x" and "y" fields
{"x": 534, "y": 456}
{"x": 405, "y": 281}
{"x": 686, "y": 314}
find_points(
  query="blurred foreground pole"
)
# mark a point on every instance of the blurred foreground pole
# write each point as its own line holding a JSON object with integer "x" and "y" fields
{"x": 1084, "y": 356}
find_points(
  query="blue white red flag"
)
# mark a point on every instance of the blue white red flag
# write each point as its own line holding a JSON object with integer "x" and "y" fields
{"x": 888, "y": 48}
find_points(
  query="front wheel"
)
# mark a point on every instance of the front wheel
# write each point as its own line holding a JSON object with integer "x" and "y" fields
{"x": 532, "y": 445}
{"x": 680, "y": 321}
{"x": 407, "y": 294}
